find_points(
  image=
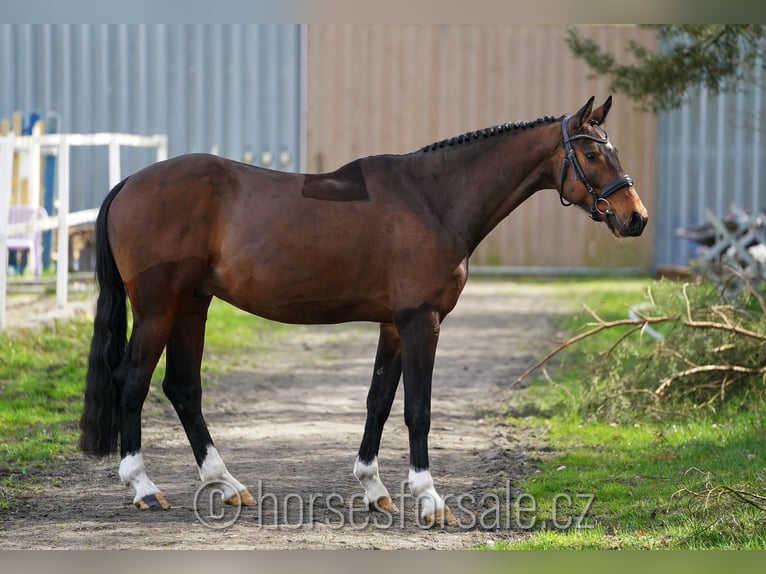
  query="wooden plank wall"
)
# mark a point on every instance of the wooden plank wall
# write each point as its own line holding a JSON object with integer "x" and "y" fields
{"x": 392, "y": 89}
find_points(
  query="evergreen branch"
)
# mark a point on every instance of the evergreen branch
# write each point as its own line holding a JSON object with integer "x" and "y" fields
{"x": 716, "y": 56}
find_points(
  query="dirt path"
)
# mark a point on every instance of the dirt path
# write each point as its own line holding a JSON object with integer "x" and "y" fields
{"x": 289, "y": 429}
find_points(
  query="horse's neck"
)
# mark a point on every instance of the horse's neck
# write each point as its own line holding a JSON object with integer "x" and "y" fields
{"x": 481, "y": 182}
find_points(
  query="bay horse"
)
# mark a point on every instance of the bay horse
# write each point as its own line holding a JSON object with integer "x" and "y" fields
{"x": 384, "y": 239}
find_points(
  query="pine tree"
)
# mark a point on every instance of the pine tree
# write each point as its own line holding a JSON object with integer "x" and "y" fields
{"x": 716, "y": 56}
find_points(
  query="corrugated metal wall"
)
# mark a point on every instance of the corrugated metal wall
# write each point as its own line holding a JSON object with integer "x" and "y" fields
{"x": 710, "y": 154}
{"x": 392, "y": 89}
{"x": 234, "y": 89}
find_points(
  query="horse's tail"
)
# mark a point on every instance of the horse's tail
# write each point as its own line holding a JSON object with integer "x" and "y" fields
{"x": 100, "y": 420}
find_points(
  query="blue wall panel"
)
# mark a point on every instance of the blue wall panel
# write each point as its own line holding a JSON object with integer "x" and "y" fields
{"x": 233, "y": 89}
{"x": 711, "y": 154}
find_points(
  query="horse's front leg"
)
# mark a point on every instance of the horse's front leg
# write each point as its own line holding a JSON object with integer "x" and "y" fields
{"x": 419, "y": 332}
{"x": 385, "y": 379}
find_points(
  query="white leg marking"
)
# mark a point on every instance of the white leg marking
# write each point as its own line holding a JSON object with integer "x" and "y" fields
{"x": 368, "y": 476}
{"x": 422, "y": 488}
{"x": 213, "y": 468}
{"x": 133, "y": 474}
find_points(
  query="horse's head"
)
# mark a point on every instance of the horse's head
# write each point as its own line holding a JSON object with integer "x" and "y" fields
{"x": 592, "y": 177}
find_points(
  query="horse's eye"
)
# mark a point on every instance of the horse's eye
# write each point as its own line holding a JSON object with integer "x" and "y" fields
{"x": 592, "y": 156}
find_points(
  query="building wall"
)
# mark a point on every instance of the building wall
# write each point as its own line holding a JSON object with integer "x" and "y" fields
{"x": 392, "y": 89}
{"x": 233, "y": 89}
{"x": 711, "y": 154}
{"x": 238, "y": 90}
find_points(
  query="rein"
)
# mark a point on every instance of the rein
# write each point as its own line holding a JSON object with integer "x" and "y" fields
{"x": 570, "y": 158}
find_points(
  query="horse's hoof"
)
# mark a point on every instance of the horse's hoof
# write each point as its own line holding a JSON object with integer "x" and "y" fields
{"x": 439, "y": 519}
{"x": 242, "y": 498}
{"x": 152, "y": 502}
{"x": 384, "y": 504}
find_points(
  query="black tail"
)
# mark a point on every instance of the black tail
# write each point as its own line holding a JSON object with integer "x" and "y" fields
{"x": 100, "y": 421}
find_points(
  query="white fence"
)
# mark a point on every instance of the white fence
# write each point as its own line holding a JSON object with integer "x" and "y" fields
{"x": 59, "y": 144}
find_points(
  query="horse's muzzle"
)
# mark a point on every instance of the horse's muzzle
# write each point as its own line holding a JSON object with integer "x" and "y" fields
{"x": 636, "y": 224}
{"x": 632, "y": 228}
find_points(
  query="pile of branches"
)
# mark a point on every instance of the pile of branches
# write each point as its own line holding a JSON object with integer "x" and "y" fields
{"x": 709, "y": 347}
{"x": 729, "y": 248}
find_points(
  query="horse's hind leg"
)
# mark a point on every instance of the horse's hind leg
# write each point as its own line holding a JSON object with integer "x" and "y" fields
{"x": 134, "y": 376}
{"x": 385, "y": 379}
{"x": 183, "y": 387}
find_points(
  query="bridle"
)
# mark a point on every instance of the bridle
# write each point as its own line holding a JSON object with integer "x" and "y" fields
{"x": 570, "y": 158}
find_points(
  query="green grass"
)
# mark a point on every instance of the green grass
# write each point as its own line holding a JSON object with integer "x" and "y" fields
{"x": 41, "y": 380}
{"x": 654, "y": 483}
{"x": 652, "y": 486}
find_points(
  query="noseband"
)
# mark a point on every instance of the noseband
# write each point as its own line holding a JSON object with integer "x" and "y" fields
{"x": 570, "y": 158}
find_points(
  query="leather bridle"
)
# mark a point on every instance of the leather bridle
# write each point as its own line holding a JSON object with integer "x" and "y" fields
{"x": 570, "y": 158}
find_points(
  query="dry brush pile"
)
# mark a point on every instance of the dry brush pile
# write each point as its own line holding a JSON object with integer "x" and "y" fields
{"x": 691, "y": 346}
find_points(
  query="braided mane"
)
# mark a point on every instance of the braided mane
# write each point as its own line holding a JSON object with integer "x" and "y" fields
{"x": 489, "y": 132}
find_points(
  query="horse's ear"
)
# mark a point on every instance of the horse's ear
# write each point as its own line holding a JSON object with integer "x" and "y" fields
{"x": 599, "y": 114}
{"x": 581, "y": 116}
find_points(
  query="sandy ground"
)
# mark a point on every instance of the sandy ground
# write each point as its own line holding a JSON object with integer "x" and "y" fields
{"x": 289, "y": 428}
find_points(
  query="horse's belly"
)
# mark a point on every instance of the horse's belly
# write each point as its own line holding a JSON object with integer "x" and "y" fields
{"x": 304, "y": 295}
{"x": 322, "y": 312}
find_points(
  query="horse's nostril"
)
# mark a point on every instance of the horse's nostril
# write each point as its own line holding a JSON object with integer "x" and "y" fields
{"x": 637, "y": 222}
